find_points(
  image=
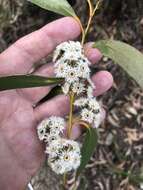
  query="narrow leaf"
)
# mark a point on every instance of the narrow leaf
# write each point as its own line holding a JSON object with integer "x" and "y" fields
{"x": 129, "y": 58}
{"x": 88, "y": 148}
{"x": 58, "y": 6}
{"x": 26, "y": 81}
{"x": 54, "y": 92}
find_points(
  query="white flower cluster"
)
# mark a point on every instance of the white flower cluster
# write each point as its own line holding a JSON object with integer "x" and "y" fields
{"x": 63, "y": 155}
{"x": 91, "y": 110}
{"x": 72, "y": 65}
{"x": 51, "y": 128}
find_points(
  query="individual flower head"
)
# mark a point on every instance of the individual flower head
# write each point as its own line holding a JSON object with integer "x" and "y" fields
{"x": 87, "y": 115}
{"x": 64, "y": 155}
{"x": 92, "y": 118}
{"x": 71, "y": 75}
{"x": 52, "y": 137}
{"x": 83, "y": 68}
{"x": 94, "y": 105}
{"x": 78, "y": 87}
{"x": 68, "y": 50}
{"x": 81, "y": 102}
{"x": 50, "y": 128}
{"x": 57, "y": 123}
{"x": 91, "y": 110}
{"x": 61, "y": 69}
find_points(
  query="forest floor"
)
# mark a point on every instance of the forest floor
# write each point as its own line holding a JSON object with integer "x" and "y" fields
{"x": 118, "y": 160}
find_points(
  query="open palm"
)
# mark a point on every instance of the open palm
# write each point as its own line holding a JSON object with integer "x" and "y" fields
{"x": 21, "y": 153}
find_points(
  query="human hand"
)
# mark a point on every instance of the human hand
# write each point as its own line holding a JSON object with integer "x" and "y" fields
{"x": 21, "y": 153}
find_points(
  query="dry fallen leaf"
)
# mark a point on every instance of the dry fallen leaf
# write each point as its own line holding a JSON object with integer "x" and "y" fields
{"x": 132, "y": 135}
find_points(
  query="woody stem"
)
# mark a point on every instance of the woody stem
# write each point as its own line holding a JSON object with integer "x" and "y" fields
{"x": 72, "y": 96}
{"x": 91, "y": 15}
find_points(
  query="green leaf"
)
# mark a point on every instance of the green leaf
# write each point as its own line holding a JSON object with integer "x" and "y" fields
{"x": 58, "y": 6}
{"x": 26, "y": 81}
{"x": 129, "y": 58}
{"x": 88, "y": 148}
{"x": 54, "y": 92}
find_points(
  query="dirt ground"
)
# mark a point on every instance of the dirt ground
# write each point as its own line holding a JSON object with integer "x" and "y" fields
{"x": 118, "y": 160}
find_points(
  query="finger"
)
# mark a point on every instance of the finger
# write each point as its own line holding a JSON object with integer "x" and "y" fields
{"x": 58, "y": 106}
{"x": 93, "y": 54}
{"x": 34, "y": 95}
{"x": 103, "y": 81}
{"x": 20, "y": 57}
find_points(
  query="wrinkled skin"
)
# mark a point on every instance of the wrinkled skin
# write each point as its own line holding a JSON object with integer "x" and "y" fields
{"x": 21, "y": 153}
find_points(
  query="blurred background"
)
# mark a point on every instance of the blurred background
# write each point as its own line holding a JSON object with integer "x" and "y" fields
{"x": 120, "y": 148}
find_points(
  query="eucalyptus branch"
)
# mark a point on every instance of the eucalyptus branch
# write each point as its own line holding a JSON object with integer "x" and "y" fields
{"x": 91, "y": 15}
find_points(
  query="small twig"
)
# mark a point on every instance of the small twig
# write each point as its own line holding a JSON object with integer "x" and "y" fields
{"x": 91, "y": 15}
{"x": 97, "y": 6}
